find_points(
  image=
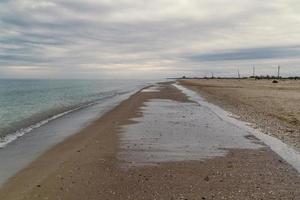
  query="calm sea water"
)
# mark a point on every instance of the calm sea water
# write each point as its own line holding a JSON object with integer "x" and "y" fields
{"x": 28, "y": 104}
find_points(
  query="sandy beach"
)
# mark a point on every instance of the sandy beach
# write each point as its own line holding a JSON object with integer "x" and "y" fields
{"x": 153, "y": 146}
{"x": 272, "y": 107}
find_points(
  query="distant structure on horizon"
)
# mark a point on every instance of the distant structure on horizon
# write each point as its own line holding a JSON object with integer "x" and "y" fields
{"x": 254, "y": 76}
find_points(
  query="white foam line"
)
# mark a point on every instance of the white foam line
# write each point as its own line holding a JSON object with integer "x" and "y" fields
{"x": 287, "y": 153}
{"x": 19, "y": 133}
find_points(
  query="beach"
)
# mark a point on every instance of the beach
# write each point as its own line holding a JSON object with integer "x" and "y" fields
{"x": 272, "y": 107}
{"x": 158, "y": 144}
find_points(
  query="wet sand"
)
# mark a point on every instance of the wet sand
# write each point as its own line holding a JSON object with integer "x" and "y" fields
{"x": 88, "y": 166}
{"x": 273, "y": 108}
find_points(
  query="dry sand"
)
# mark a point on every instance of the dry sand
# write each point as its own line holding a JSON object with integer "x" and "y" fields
{"x": 274, "y": 108}
{"x": 86, "y": 166}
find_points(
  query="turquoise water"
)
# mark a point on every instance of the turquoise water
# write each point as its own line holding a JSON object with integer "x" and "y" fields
{"x": 27, "y": 104}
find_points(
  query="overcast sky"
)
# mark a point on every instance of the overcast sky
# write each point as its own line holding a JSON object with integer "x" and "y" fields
{"x": 147, "y": 39}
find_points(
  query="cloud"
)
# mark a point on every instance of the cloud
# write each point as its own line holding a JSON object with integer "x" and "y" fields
{"x": 275, "y": 52}
{"x": 112, "y": 38}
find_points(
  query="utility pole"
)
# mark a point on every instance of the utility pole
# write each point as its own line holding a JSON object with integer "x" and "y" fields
{"x": 278, "y": 74}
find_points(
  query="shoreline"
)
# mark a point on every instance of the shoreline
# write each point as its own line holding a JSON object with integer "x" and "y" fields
{"x": 29, "y": 127}
{"x": 47, "y": 100}
{"x": 21, "y": 151}
{"x": 86, "y": 166}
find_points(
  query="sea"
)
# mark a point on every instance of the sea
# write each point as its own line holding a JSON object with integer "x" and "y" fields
{"x": 37, "y": 114}
{"x": 29, "y": 104}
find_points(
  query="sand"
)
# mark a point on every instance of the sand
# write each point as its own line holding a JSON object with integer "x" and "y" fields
{"x": 86, "y": 166}
{"x": 274, "y": 108}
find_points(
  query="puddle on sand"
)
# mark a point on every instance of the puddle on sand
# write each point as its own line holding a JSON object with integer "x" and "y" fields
{"x": 289, "y": 154}
{"x": 154, "y": 88}
{"x": 176, "y": 131}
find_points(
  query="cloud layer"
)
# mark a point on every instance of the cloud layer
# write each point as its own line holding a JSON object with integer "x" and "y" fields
{"x": 134, "y": 38}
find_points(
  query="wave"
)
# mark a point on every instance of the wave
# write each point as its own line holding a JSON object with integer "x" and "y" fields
{"x": 5, "y": 140}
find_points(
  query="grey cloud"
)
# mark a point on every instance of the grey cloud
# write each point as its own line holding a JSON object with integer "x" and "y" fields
{"x": 71, "y": 34}
{"x": 275, "y": 52}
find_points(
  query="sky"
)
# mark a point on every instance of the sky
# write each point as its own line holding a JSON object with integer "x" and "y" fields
{"x": 148, "y": 39}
